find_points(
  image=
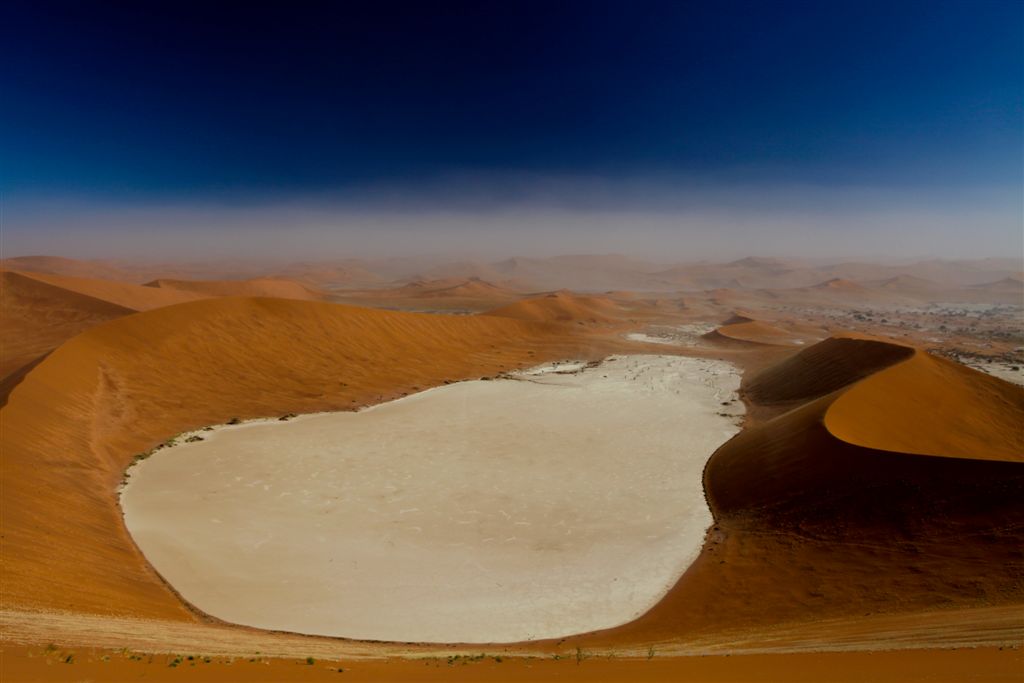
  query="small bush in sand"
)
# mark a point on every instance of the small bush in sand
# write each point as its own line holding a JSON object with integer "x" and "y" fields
{"x": 194, "y": 438}
{"x": 310, "y": 661}
{"x": 286, "y": 417}
{"x": 235, "y": 421}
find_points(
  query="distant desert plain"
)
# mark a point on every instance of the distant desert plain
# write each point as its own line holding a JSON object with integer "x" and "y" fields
{"x": 573, "y": 468}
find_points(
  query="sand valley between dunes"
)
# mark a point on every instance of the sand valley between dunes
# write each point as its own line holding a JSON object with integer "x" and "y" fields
{"x": 553, "y": 501}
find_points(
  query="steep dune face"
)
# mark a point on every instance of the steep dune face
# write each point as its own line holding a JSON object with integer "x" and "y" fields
{"x": 822, "y": 369}
{"x": 562, "y": 307}
{"x": 932, "y": 406}
{"x": 38, "y": 316}
{"x": 810, "y": 524}
{"x": 845, "y": 444}
{"x": 75, "y": 421}
{"x": 266, "y": 287}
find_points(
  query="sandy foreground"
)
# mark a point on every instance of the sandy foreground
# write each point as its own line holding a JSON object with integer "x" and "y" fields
{"x": 564, "y": 499}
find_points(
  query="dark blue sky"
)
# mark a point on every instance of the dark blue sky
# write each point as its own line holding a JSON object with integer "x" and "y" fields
{"x": 177, "y": 97}
{"x": 179, "y": 101}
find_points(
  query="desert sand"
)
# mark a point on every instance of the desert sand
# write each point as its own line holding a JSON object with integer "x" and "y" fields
{"x": 441, "y": 504}
{"x": 871, "y": 502}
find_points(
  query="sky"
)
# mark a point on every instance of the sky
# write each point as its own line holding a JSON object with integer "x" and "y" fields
{"x": 672, "y": 129}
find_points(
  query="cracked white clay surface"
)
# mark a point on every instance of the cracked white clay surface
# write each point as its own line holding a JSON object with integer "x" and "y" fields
{"x": 567, "y": 500}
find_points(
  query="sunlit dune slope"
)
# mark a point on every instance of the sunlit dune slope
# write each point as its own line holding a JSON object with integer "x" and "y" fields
{"x": 740, "y": 329}
{"x": 822, "y": 369}
{"x": 57, "y": 265}
{"x": 563, "y": 306}
{"x": 135, "y": 297}
{"x": 869, "y": 425}
{"x": 266, "y": 287}
{"x": 821, "y": 512}
{"x": 74, "y": 423}
{"x": 37, "y": 316}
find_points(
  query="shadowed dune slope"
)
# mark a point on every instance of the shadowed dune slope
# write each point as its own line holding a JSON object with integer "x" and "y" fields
{"x": 849, "y": 442}
{"x": 260, "y": 287}
{"x": 38, "y": 316}
{"x": 812, "y": 525}
{"x": 822, "y": 369}
{"x": 562, "y": 307}
{"x": 75, "y": 421}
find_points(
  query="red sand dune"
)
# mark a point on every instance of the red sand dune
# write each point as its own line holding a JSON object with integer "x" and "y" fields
{"x": 56, "y": 265}
{"x": 563, "y": 306}
{"x": 135, "y": 297}
{"x": 75, "y": 421}
{"x": 828, "y": 510}
{"x": 38, "y": 316}
{"x": 267, "y": 287}
{"x": 454, "y": 288}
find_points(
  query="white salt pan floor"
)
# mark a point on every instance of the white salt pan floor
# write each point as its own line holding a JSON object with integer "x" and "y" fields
{"x": 565, "y": 500}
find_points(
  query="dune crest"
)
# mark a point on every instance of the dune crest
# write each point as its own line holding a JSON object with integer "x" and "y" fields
{"x": 76, "y": 420}
{"x": 563, "y": 306}
{"x": 268, "y": 287}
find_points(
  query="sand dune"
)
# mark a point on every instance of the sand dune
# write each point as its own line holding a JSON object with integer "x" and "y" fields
{"x": 135, "y": 297}
{"x": 268, "y": 287}
{"x": 749, "y": 331}
{"x": 810, "y": 524}
{"x": 75, "y": 421}
{"x": 563, "y": 306}
{"x": 38, "y": 316}
{"x": 56, "y": 265}
{"x": 823, "y": 368}
{"x": 449, "y": 288}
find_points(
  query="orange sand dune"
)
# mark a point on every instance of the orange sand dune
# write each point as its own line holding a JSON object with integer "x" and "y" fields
{"x": 267, "y": 287}
{"x": 753, "y": 332}
{"x": 75, "y": 421}
{"x": 563, "y": 306}
{"x": 467, "y": 288}
{"x": 821, "y": 369}
{"x": 56, "y": 265}
{"x": 38, "y": 316}
{"x": 135, "y": 297}
{"x": 821, "y": 512}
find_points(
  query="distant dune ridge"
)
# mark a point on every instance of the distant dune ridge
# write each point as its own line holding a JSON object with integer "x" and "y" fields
{"x": 563, "y": 306}
{"x": 277, "y": 288}
{"x": 585, "y": 272}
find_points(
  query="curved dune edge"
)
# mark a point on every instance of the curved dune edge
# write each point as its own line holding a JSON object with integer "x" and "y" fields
{"x": 931, "y": 406}
{"x": 746, "y": 330}
{"x": 89, "y": 398}
{"x": 73, "y": 424}
{"x": 812, "y": 522}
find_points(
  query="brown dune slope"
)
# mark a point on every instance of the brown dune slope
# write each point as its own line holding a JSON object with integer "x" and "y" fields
{"x": 37, "y": 317}
{"x": 822, "y": 369}
{"x": 268, "y": 287}
{"x": 563, "y": 306}
{"x": 740, "y": 329}
{"x": 135, "y": 297}
{"x": 74, "y": 423}
{"x": 809, "y": 526}
{"x": 57, "y": 265}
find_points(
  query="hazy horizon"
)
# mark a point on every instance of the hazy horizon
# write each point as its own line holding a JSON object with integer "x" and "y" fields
{"x": 668, "y": 130}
